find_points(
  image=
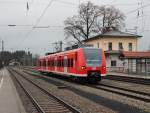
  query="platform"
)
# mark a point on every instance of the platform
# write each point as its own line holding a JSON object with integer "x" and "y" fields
{"x": 129, "y": 75}
{"x": 10, "y": 101}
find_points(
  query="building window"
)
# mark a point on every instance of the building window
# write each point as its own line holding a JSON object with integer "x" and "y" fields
{"x": 130, "y": 46}
{"x": 98, "y": 45}
{"x": 114, "y": 63}
{"x": 120, "y": 46}
{"x": 110, "y": 46}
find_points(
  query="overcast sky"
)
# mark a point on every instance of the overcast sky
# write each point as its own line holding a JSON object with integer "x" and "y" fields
{"x": 39, "y": 40}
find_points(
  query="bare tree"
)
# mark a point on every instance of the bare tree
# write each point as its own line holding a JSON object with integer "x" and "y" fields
{"x": 114, "y": 18}
{"x": 82, "y": 25}
{"x": 72, "y": 28}
{"x": 92, "y": 20}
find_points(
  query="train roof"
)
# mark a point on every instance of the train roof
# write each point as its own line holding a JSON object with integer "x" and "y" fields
{"x": 58, "y": 53}
{"x": 65, "y": 52}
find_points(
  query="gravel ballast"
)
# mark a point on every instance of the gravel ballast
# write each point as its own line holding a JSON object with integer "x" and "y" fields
{"x": 98, "y": 100}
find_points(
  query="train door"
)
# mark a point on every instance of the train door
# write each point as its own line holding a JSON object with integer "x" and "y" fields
{"x": 42, "y": 64}
{"x": 65, "y": 64}
{"x": 55, "y": 63}
{"x": 47, "y": 64}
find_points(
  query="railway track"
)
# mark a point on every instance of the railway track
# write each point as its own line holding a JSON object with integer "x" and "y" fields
{"x": 142, "y": 96}
{"x": 138, "y": 95}
{"x": 44, "y": 101}
{"x": 143, "y": 81}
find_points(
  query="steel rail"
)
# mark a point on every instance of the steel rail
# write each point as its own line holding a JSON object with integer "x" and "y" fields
{"x": 143, "y": 81}
{"x": 71, "y": 108}
{"x": 120, "y": 93}
{"x": 35, "y": 103}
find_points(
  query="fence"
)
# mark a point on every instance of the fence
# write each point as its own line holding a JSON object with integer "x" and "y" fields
{"x": 134, "y": 66}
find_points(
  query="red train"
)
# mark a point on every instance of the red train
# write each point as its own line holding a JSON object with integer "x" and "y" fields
{"x": 82, "y": 63}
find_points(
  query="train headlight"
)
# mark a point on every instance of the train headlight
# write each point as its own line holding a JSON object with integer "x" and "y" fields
{"x": 83, "y": 67}
{"x": 104, "y": 67}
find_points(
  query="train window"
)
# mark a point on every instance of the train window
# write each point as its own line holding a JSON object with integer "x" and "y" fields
{"x": 65, "y": 62}
{"x": 44, "y": 63}
{"x": 49, "y": 63}
{"x": 59, "y": 63}
{"x": 52, "y": 62}
{"x": 55, "y": 62}
{"x": 93, "y": 56}
{"x": 39, "y": 63}
{"x": 71, "y": 62}
{"x": 68, "y": 63}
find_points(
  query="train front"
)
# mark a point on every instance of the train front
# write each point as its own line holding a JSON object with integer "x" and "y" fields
{"x": 95, "y": 64}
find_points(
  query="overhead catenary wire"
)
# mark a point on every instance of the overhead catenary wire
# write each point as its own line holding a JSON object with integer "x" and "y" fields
{"x": 32, "y": 26}
{"x": 39, "y": 19}
{"x": 140, "y": 14}
{"x": 133, "y": 11}
{"x": 36, "y": 2}
{"x": 50, "y": 27}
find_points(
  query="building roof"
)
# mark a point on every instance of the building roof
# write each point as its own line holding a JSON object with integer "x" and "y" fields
{"x": 131, "y": 54}
{"x": 114, "y": 34}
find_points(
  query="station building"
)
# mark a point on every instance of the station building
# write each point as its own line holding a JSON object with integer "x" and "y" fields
{"x": 121, "y": 51}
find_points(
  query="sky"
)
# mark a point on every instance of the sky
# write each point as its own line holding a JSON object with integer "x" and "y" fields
{"x": 48, "y": 16}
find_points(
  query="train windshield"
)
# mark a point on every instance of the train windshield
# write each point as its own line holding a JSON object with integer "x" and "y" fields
{"x": 93, "y": 56}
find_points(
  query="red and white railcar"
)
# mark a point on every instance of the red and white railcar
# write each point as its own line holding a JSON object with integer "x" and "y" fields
{"x": 86, "y": 63}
